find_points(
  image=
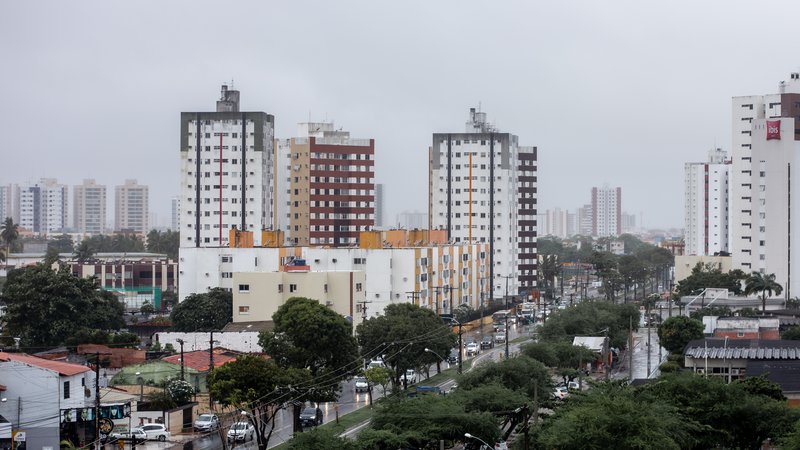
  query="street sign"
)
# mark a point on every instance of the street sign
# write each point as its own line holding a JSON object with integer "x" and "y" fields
{"x": 19, "y": 436}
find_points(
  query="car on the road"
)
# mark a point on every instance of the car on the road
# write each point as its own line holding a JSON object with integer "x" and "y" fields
{"x": 410, "y": 377}
{"x": 361, "y": 384}
{"x": 473, "y": 349}
{"x": 375, "y": 362}
{"x": 241, "y": 431}
{"x": 487, "y": 342}
{"x": 136, "y": 434}
{"x": 453, "y": 357}
{"x": 500, "y": 338}
{"x": 206, "y": 422}
{"x": 156, "y": 431}
{"x": 310, "y": 417}
{"x": 560, "y": 393}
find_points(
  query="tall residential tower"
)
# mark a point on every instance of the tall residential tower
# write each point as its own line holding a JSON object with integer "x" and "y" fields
{"x": 606, "y": 211}
{"x": 89, "y": 207}
{"x": 706, "y": 204}
{"x": 132, "y": 208}
{"x": 482, "y": 188}
{"x": 226, "y": 173}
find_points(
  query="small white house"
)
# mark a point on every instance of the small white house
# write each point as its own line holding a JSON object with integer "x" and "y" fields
{"x": 47, "y": 400}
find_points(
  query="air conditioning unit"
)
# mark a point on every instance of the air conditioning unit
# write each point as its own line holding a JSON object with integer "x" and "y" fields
{"x": 699, "y": 370}
{"x": 328, "y": 303}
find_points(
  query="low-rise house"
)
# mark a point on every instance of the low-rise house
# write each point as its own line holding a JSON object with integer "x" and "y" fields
{"x": 733, "y": 359}
{"x": 48, "y": 400}
{"x": 766, "y": 328}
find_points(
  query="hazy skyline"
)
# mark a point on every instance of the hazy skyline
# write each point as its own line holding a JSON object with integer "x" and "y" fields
{"x": 622, "y": 93}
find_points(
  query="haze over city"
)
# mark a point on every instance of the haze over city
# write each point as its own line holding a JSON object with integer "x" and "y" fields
{"x": 621, "y": 93}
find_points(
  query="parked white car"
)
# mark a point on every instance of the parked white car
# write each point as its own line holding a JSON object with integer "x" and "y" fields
{"x": 156, "y": 432}
{"x": 134, "y": 434}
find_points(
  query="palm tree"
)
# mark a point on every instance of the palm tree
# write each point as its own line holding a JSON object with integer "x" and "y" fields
{"x": 765, "y": 284}
{"x": 84, "y": 252}
{"x": 9, "y": 232}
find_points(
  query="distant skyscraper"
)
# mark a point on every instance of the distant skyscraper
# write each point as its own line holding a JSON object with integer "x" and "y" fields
{"x": 226, "y": 173}
{"x": 706, "y": 204}
{"x": 89, "y": 207}
{"x": 330, "y": 184}
{"x": 628, "y": 222}
{"x": 584, "y": 220}
{"x": 6, "y": 196}
{"x": 42, "y": 206}
{"x": 379, "y": 205}
{"x": 606, "y": 209}
{"x": 553, "y": 222}
{"x": 482, "y": 186}
{"x": 412, "y": 220}
{"x": 131, "y": 207}
{"x": 175, "y": 223}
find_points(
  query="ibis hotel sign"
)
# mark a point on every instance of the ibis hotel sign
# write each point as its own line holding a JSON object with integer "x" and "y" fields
{"x": 773, "y": 130}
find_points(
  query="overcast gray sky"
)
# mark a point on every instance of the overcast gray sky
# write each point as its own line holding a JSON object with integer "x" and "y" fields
{"x": 617, "y": 92}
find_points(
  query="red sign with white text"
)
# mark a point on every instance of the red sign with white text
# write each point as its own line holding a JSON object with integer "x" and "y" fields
{"x": 773, "y": 129}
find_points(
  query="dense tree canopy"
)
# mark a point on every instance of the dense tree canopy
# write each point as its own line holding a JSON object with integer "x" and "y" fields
{"x": 590, "y": 319}
{"x": 166, "y": 242}
{"x": 45, "y": 307}
{"x": 402, "y": 334}
{"x": 711, "y": 276}
{"x": 118, "y": 243}
{"x": 310, "y": 335}
{"x": 678, "y": 331}
{"x": 203, "y": 312}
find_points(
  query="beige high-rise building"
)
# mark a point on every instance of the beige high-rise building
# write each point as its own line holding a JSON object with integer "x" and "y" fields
{"x": 131, "y": 207}
{"x": 90, "y": 207}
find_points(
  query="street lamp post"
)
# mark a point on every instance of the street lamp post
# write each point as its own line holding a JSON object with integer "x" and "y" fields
{"x": 469, "y": 436}
{"x": 141, "y": 385}
{"x": 438, "y": 363}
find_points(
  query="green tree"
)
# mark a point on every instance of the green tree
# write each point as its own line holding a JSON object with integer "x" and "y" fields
{"x": 760, "y": 385}
{"x": 422, "y": 422}
{"x": 791, "y": 334}
{"x": 403, "y": 333}
{"x": 310, "y": 335}
{"x": 147, "y": 308}
{"x": 9, "y": 232}
{"x": 611, "y": 416}
{"x": 491, "y": 397}
{"x": 764, "y": 284}
{"x": 711, "y": 276}
{"x": 678, "y": 331}
{"x": 62, "y": 244}
{"x": 257, "y": 386}
{"x": 713, "y": 310}
{"x": 520, "y": 374}
{"x": 166, "y": 242}
{"x": 729, "y": 415}
{"x": 203, "y": 312}
{"x": 377, "y": 376}
{"x": 590, "y": 319}
{"x": 84, "y": 252}
{"x": 51, "y": 256}
{"x": 45, "y": 307}
{"x": 321, "y": 439}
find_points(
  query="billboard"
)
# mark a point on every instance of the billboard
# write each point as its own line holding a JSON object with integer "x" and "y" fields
{"x": 773, "y": 129}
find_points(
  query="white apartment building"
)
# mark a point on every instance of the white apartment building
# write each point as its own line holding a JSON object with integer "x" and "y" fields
{"x": 42, "y": 207}
{"x": 132, "y": 207}
{"x": 706, "y": 204}
{"x": 89, "y": 203}
{"x": 411, "y": 220}
{"x": 555, "y": 222}
{"x": 6, "y": 202}
{"x": 482, "y": 188}
{"x": 584, "y": 220}
{"x": 438, "y": 277}
{"x": 607, "y": 211}
{"x": 226, "y": 172}
{"x": 745, "y": 109}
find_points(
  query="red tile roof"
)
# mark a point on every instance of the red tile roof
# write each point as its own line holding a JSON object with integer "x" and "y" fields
{"x": 198, "y": 360}
{"x": 63, "y": 368}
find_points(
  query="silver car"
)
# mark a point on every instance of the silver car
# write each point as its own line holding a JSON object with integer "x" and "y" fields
{"x": 206, "y": 422}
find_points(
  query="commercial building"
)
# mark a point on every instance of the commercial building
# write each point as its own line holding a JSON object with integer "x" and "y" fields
{"x": 131, "y": 208}
{"x": 226, "y": 172}
{"x": 42, "y": 207}
{"x": 398, "y": 266}
{"x": 606, "y": 211}
{"x": 706, "y": 208}
{"x": 89, "y": 207}
{"x": 326, "y": 185}
{"x": 749, "y": 206}
{"x": 482, "y": 188}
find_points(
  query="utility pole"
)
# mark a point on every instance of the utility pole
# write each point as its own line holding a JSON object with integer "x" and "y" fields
{"x": 210, "y": 368}
{"x": 630, "y": 347}
{"x": 648, "y": 319}
{"x": 180, "y": 342}
{"x": 363, "y": 304}
{"x": 97, "y": 400}
{"x": 414, "y": 296}
{"x": 508, "y": 332}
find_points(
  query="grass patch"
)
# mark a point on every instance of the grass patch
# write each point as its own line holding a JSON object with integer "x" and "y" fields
{"x": 519, "y": 339}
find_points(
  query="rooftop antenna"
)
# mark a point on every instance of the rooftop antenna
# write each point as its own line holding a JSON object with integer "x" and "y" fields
{"x": 231, "y": 83}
